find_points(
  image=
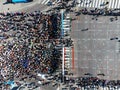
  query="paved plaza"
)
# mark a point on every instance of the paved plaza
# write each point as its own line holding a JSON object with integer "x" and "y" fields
{"x": 95, "y": 49}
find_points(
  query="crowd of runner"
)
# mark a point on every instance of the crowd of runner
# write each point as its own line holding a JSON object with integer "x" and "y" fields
{"x": 27, "y": 43}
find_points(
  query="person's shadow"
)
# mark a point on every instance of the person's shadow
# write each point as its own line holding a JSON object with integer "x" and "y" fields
{"x": 7, "y": 3}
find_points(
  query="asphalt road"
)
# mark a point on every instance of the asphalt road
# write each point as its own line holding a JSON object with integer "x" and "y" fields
{"x": 36, "y": 4}
{"x": 94, "y": 51}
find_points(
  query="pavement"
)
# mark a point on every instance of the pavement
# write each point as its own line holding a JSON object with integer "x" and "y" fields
{"x": 94, "y": 51}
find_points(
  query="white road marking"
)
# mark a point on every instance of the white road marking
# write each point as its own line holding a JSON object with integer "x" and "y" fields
{"x": 112, "y": 4}
{"x": 97, "y": 3}
{"x": 43, "y": 1}
{"x": 47, "y": 1}
{"x": 118, "y": 3}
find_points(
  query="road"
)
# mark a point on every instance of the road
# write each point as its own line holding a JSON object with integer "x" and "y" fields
{"x": 94, "y": 51}
{"x": 22, "y": 6}
{"x": 111, "y": 4}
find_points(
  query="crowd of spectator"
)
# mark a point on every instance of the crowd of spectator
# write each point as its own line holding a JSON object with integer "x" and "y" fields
{"x": 97, "y": 11}
{"x": 27, "y": 43}
{"x": 93, "y": 82}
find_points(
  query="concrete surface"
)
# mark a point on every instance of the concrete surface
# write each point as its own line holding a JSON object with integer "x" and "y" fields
{"x": 94, "y": 51}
